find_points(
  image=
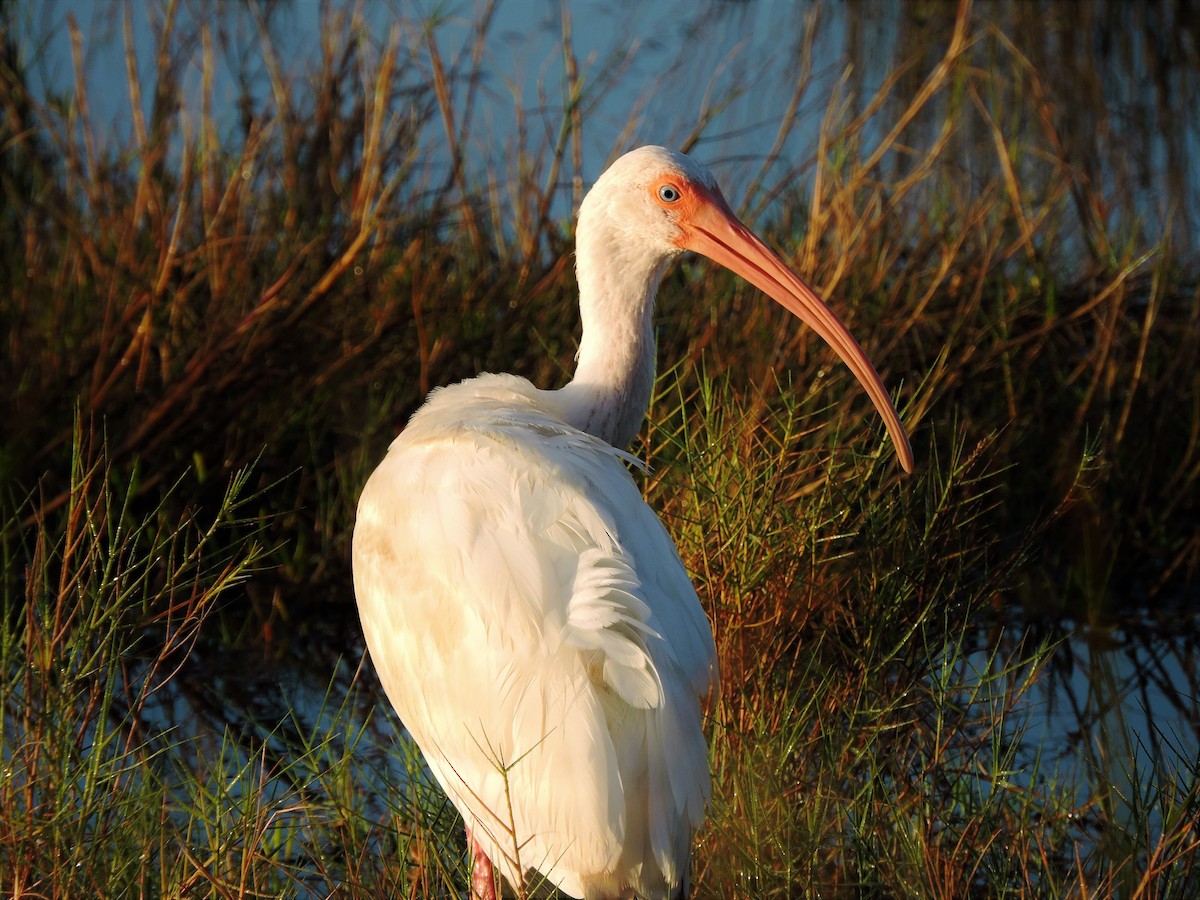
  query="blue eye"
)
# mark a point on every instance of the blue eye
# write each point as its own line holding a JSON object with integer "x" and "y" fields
{"x": 668, "y": 193}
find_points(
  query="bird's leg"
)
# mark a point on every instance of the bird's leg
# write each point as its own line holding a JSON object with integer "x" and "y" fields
{"x": 483, "y": 875}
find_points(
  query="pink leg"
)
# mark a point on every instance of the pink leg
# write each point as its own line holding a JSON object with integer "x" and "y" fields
{"x": 483, "y": 875}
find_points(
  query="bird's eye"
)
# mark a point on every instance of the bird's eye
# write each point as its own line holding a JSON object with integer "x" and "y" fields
{"x": 668, "y": 193}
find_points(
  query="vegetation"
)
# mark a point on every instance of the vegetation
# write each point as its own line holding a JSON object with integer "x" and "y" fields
{"x": 213, "y": 328}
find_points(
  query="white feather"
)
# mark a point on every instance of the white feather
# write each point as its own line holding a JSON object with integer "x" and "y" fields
{"x": 527, "y": 611}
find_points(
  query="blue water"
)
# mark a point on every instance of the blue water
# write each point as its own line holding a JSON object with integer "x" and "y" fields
{"x": 717, "y": 78}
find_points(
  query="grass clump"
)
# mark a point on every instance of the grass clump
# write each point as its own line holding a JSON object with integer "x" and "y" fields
{"x": 215, "y": 323}
{"x": 114, "y": 596}
{"x": 115, "y": 781}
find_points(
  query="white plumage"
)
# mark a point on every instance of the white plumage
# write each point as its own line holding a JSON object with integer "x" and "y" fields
{"x": 526, "y": 611}
{"x": 538, "y": 646}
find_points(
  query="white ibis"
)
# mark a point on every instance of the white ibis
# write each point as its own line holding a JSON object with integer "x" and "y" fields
{"x": 526, "y": 611}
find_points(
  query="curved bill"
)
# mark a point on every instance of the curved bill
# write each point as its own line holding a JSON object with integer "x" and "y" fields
{"x": 709, "y": 227}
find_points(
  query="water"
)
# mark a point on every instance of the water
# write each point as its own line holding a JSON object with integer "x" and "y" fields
{"x": 1121, "y": 701}
{"x": 1117, "y": 89}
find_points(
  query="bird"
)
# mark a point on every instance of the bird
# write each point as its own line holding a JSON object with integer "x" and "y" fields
{"x": 527, "y": 613}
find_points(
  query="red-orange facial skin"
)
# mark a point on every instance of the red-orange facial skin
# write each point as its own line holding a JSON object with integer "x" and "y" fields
{"x": 692, "y": 197}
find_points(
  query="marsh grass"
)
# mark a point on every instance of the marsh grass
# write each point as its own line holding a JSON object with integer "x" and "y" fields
{"x": 213, "y": 331}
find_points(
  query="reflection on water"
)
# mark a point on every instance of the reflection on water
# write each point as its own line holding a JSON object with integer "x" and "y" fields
{"x": 1144, "y": 675}
{"x": 1123, "y": 702}
{"x": 1113, "y": 84}
{"x": 743, "y": 85}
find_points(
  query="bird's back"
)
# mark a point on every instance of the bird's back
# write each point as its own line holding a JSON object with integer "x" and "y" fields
{"x": 530, "y": 620}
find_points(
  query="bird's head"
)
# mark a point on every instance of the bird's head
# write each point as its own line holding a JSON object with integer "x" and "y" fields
{"x": 653, "y": 203}
{"x": 648, "y": 198}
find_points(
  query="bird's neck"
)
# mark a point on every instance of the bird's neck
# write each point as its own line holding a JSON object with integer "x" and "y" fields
{"x": 614, "y": 377}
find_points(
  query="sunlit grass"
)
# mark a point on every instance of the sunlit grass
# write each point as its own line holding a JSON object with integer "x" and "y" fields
{"x": 211, "y": 338}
